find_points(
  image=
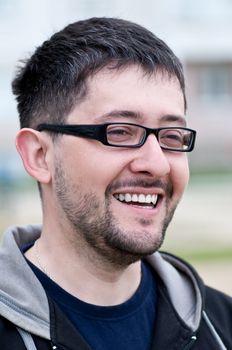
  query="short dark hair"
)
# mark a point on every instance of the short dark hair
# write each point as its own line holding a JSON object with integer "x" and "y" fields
{"x": 50, "y": 83}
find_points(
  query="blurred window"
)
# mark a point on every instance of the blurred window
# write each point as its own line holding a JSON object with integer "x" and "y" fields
{"x": 211, "y": 83}
{"x": 215, "y": 83}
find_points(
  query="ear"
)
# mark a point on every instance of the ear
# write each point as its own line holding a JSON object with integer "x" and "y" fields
{"x": 33, "y": 148}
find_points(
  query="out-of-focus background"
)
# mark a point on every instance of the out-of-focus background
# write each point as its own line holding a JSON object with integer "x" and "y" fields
{"x": 200, "y": 33}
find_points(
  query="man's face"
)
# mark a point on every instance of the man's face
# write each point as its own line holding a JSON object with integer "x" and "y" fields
{"x": 100, "y": 189}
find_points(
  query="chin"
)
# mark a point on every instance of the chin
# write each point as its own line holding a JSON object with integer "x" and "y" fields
{"x": 126, "y": 251}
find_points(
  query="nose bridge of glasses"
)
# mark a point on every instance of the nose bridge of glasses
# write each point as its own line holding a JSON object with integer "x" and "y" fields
{"x": 151, "y": 131}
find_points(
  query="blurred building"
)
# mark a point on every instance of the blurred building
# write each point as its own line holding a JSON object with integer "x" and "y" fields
{"x": 199, "y": 32}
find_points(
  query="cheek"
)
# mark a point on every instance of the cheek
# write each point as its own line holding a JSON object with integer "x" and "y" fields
{"x": 179, "y": 175}
{"x": 92, "y": 167}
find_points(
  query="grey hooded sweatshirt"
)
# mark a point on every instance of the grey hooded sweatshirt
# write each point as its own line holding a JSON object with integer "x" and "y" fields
{"x": 196, "y": 316}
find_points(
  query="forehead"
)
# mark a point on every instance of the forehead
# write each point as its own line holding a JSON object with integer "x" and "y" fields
{"x": 129, "y": 93}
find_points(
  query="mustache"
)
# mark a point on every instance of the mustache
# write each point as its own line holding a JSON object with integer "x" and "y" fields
{"x": 165, "y": 186}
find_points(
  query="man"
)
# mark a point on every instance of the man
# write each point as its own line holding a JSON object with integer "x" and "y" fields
{"x": 103, "y": 132}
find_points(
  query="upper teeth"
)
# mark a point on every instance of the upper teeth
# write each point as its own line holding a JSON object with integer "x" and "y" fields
{"x": 140, "y": 198}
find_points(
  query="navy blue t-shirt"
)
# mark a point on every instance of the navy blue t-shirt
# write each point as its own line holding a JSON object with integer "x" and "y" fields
{"x": 126, "y": 326}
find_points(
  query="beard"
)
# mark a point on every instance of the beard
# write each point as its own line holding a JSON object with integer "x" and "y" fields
{"x": 93, "y": 222}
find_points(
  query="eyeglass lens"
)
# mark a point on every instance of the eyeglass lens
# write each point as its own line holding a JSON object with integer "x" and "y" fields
{"x": 132, "y": 135}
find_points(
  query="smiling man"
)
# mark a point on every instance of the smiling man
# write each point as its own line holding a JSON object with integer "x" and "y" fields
{"x": 103, "y": 131}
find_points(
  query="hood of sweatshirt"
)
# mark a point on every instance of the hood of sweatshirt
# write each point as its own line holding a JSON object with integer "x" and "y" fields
{"x": 23, "y": 300}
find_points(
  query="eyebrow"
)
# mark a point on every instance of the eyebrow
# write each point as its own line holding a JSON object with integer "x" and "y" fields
{"x": 173, "y": 119}
{"x": 138, "y": 117}
{"x": 122, "y": 114}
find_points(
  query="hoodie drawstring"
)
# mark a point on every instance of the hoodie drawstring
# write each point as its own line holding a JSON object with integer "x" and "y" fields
{"x": 27, "y": 339}
{"x": 214, "y": 332}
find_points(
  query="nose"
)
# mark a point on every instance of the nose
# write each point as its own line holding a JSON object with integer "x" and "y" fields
{"x": 150, "y": 159}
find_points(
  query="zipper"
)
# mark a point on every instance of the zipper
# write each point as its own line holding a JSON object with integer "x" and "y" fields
{"x": 190, "y": 344}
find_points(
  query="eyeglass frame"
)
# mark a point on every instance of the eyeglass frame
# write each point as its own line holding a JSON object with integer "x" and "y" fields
{"x": 98, "y": 132}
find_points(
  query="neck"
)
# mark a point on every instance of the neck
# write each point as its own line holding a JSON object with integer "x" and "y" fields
{"x": 83, "y": 273}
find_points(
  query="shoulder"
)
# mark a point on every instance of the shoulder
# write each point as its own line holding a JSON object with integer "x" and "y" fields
{"x": 11, "y": 339}
{"x": 9, "y": 336}
{"x": 218, "y": 304}
{"x": 218, "y": 307}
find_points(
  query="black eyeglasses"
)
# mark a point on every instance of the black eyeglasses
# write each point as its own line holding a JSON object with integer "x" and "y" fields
{"x": 128, "y": 135}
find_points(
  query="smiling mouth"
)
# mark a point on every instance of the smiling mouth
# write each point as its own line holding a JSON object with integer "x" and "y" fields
{"x": 139, "y": 200}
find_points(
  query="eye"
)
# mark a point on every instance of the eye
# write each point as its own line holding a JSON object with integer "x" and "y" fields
{"x": 172, "y": 138}
{"x": 122, "y": 134}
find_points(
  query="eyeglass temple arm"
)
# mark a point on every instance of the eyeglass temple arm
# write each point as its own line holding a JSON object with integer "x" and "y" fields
{"x": 76, "y": 130}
